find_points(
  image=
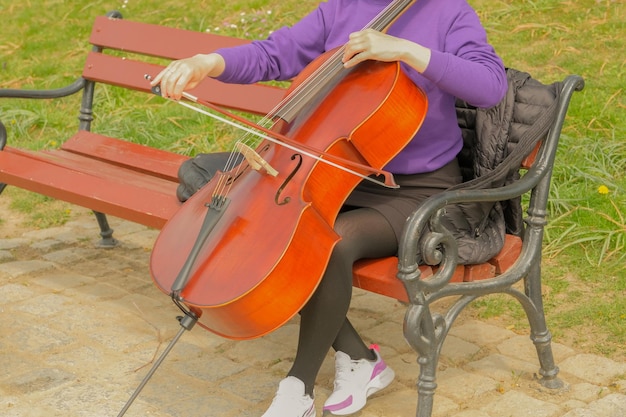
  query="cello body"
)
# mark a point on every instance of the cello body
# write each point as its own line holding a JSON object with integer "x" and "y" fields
{"x": 269, "y": 248}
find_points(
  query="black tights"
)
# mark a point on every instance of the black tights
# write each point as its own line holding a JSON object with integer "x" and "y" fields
{"x": 323, "y": 323}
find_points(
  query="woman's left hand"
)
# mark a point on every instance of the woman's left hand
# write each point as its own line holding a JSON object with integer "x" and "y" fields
{"x": 371, "y": 44}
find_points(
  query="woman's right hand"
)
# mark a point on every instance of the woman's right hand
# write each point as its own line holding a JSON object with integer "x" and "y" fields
{"x": 185, "y": 74}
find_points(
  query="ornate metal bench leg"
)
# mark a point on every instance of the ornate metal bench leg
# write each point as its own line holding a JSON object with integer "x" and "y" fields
{"x": 425, "y": 333}
{"x": 539, "y": 333}
{"x": 426, "y": 386}
{"x": 106, "y": 233}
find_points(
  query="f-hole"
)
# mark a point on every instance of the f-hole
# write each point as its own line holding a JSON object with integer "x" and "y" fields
{"x": 289, "y": 177}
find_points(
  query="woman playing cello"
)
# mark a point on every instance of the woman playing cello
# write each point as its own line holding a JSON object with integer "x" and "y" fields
{"x": 443, "y": 48}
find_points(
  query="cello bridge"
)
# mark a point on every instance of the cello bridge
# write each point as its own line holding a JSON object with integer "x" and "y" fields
{"x": 255, "y": 160}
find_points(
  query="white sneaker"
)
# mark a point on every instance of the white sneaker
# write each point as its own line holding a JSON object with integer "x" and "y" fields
{"x": 291, "y": 400}
{"x": 355, "y": 381}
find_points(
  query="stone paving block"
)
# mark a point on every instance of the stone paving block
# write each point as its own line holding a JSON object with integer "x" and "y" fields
{"x": 581, "y": 412}
{"x": 387, "y": 335}
{"x": 122, "y": 339}
{"x": 13, "y": 243}
{"x": 471, "y": 413}
{"x": 19, "y": 268}
{"x": 211, "y": 368}
{"x": 480, "y": 333}
{"x": 47, "y": 245}
{"x": 406, "y": 368}
{"x": 287, "y": 336}
{"x": 82, "y": 400}
{"x": 444, "y": 406}
{"x": 168, "y": 387}
{"x": 23, "y": 409}
{"x": 573, "y": 404}
{"x": 398, "y": 403}
{"x": 522, "y": 346}
{"x": 12, "y": 364}
{"x": 518, "y": 404}
{"x": 458, "y": 350}
{"x": 96, "y": 292}
{"x": 250, "y": 387}
{"x": 63, "y": 280}
{"x": 585, "y": 391}
{"x": 210, "y": 403}
{"x": 503, "y": 368}
{"x": 613, "y": 405}
{"x": 44, "y": 305}
{"x": 71, "y": 357}
{"x": 69, "y": 256}
{"x": 463, "y": 386}
{"x": 592, "y": 368}
{"x": 38, "y": 338}
{"x": 141, "y": 239}
{"x": 11, "y": 293}
{"x": 258, "y": 352}
{"x": 39, "y": 380}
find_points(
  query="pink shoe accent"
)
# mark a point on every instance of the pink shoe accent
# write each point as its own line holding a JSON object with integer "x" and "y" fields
{"x": 339, "y": 406}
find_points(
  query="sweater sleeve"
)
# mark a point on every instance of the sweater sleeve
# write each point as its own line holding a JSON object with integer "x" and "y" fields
{"x": 282, "y": 55}
{"x": 468, "y": 66}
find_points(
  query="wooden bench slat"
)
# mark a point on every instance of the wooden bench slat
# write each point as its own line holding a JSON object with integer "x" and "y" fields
{"x": 141, "y": 158}
{"x": 252, "y": 98}
{"x": 379, "y": 275}
{"x": 508, "y": 254}
{"x": 140, "y": 205}
{"x": 156, "y": 40}
{"x": 93, "y": 167}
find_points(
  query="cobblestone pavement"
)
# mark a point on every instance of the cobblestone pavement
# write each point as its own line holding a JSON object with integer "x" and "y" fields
{"x": 81, "y": 326}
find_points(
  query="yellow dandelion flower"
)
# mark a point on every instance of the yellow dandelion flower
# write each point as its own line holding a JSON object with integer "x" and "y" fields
{"x": 603, "y": 189}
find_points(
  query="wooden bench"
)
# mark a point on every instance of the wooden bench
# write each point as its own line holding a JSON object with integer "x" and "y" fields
{"x": 134, "y": 182}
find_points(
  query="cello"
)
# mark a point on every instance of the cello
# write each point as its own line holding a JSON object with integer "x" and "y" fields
{"x": 244, "y": 254}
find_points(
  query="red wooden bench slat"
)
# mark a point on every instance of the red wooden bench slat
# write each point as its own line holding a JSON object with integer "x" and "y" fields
{"x": 125, "y": 200}
{"x": 379, "y": 275}
{"x": 128, "y": 73}
{"x": 141, "y": 158}
{"x": 530, "y": 158}
{"x": 156, "y": 40}
{"x": 478, "y": 272}
{"x": 93, "y": 167}
{"x": 508, "y": 255}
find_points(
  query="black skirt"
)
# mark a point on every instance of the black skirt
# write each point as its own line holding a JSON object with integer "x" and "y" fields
{"x": 397, "y": 204}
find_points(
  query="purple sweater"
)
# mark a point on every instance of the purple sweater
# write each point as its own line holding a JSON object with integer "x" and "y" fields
{"x": 463, "y": 64}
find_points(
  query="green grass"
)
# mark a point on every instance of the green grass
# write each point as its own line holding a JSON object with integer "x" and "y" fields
{"x": 43, "y": 44}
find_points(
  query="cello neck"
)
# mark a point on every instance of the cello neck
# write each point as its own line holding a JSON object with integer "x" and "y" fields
{"x": 389, "y": 15}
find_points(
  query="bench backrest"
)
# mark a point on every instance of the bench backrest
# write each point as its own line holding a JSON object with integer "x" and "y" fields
{"x": 135, "y": 38}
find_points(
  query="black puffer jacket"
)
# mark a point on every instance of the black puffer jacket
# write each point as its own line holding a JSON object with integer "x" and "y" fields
{"x": 496, "y": 140}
